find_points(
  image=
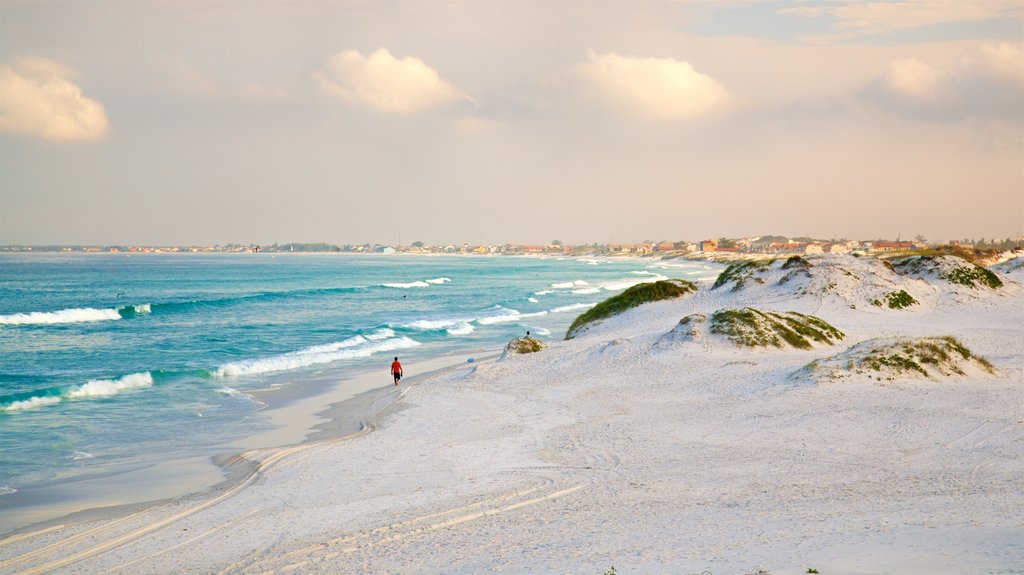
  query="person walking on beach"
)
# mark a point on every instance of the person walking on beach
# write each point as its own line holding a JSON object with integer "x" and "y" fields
{"x": 396, "y": 370}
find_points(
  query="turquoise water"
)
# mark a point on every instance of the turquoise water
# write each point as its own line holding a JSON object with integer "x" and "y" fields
{"x": 114, "y": 360}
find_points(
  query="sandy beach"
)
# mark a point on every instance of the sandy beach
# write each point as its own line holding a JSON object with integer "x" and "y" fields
{"x": 636, "y": 446}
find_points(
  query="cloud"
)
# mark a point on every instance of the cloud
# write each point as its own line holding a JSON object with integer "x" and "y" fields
{"x": 989, "y": 80}
{"x": 387, "y": 84}
{"x": 38, "y": 100}
{"x": 853, "y": 19}
{"x": 654, "y": 87}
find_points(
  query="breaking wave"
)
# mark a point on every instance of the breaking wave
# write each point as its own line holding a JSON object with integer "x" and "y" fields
{"x": 569, "y": 285}
{"x": 573, "y": 307}
{"x": 92, "y": 389}
{"x": 464, "y": 328}
{"x": 353, "y": 347}
{"x": 418, "y": 283}
{"x": 74, "y": 315}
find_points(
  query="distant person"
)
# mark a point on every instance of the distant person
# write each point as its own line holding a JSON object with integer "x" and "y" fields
{"x": 396, "y": 370}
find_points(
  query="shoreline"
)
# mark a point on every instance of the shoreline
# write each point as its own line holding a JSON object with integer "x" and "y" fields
{"x": 300, "y": 414}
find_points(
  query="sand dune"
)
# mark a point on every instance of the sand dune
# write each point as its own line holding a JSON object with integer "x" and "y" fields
{"x": 619, "y": 448}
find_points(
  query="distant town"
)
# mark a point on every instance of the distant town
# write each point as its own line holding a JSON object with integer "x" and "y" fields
{"x": 665, "y": 249}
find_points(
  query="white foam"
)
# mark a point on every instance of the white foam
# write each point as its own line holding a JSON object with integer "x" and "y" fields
{"x": 533, "y": 300}
{"x": 544, "y": 292}
{"x": 107, "y": 387}
{"x": 630, "y": 282}
{"x": 431, "y": 324}
{"x": 76, "y": 315}
{"x": 312, "y": 356}
{"x": 586, "y": 291}
{"x": 645, "y": 273}
{"x": 573, "y": 307}
{"x": 5, "y": 490}
{"x": 541, "y": 331}
{"x": 380, "y": 334}
{"x": 439, "y": 280}
{"x": 506, "y": 315}
{"x": 79, "y": 455}
{"x": 408, "y": 285}
{"x": 461, "y": 329}
{"x": 568, "y": 285}
{"x": 31, "y": 403}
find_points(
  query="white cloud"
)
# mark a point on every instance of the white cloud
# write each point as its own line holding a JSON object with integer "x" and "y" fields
{"x": 388, "y": 84}
{"x": 37, "y": 99}
{"x": 654, "y": 87}
{"x": 989, "y": 80}
{"x": 913, "y": 79}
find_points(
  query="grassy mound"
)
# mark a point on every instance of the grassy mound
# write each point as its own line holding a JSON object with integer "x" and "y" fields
{"x": 902, "y": 357}
{"x": 751, "y": 327}
{"x": 741, "y": 273}
{"x": 896, "y": 300}
{"x": 632, "y": 297}
{"x": 953, "y": 269}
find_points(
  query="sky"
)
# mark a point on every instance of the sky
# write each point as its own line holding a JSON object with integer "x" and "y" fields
{"x": 176, "y": 123}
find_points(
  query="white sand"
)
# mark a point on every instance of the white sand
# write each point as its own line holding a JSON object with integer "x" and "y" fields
{"x": 615, "y": 449}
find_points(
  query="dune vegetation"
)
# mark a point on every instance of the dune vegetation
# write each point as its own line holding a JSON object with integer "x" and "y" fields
{"x": 632, "y": 297}
{"x": 751, "y": 327}
{"x": 890, "y": 359}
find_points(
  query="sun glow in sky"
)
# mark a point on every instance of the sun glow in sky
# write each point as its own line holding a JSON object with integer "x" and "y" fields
{"x": 218, "y": 122}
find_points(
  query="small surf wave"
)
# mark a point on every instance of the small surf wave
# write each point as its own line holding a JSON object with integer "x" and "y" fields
{"x": 464, "y": 328}
{"x": 438, "y": 280}
{"x": 94, "y": 388}
{"x": 31, "y": 403}
{"x": 351, "y": 348}
{"x": 569, "y": 285}
{"x": 587, "y": 291}
{"x": 573, "y": 307}
{"x": 108, "y": 387}
{"x": 544, "y": 292}
{"x": 73, "y": 315}
{"x": 435, "y": 324}
{"x": 532, "y": 300}
{"x": 630, "y": 282}
{"x": 409, "y": 285}
{"x": 80, "y": 455}
{"x": 5, "y": 490}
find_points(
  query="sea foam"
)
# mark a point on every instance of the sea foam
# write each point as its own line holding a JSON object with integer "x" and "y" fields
{"x": 108, "y": 387}
{"x": 573, "y": 307}
{"x": 348, "y": 349}
{"x": 74, "y": 315}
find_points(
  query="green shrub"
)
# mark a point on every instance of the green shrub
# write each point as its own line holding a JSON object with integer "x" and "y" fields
{"x": 899, "y": 299}
{"x": 740, "y": 272}
{"x": 967, "y": 276}
{"x": 632, "y": 297}
{"x": 755, "y": 328}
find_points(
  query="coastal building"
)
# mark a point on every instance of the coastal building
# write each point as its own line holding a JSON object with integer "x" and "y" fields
{"x": 631, "y": 248}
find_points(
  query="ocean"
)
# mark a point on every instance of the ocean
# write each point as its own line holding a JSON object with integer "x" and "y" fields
{"x": 119, "y": 371}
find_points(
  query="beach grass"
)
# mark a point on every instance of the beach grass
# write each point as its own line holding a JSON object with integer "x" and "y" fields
{"x": 632, "y": 297}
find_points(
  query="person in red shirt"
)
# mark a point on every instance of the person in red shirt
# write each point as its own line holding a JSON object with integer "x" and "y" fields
{"x": 396, "y": 370}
